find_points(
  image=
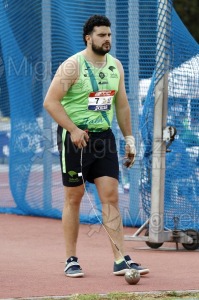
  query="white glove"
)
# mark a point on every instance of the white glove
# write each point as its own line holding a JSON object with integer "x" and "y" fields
{"x": 130, "y": 150}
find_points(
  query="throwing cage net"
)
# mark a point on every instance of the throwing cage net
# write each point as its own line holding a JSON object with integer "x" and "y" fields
{"x": 35, "y": 37}
{"x": 181, "y": 209}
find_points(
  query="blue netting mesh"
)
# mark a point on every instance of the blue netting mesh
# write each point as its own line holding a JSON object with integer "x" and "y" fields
{"x": 181, "y": 199}
{"x": 35, "y": 37}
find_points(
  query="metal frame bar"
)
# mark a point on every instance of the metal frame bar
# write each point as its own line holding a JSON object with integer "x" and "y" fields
{"x": 47, "y": 120}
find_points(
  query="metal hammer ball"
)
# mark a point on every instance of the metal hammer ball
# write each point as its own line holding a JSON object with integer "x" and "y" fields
{"x": 132, "y": 276}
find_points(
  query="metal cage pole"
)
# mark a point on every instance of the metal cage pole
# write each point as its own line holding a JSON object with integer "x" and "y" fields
{"x": 133, "y": 50}
{"x": 156, "y": 224}
{"x": 47, "y": 121}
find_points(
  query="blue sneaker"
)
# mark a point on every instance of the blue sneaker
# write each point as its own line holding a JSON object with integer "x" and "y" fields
{"x": 72, "y": 268}
{"x": 120, "y": 269}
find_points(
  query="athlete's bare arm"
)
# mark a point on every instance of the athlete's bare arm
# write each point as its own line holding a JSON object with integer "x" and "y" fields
{"x": 122, "y": 106}
{"x": 65, "y": 76}
{"x": 124, "y": 119}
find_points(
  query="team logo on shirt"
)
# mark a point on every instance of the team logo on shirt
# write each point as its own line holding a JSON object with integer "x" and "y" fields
{"x": 101, "y": 75}
{"x": 111, "y": 68}
{"x": 113, "y": 74}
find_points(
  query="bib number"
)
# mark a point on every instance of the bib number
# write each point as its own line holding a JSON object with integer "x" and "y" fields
{"x": 100, "y": 100}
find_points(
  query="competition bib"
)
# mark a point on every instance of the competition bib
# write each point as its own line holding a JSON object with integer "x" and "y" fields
{"x": 100, "y": 100}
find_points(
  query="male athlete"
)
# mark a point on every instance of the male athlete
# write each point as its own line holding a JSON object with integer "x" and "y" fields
{"x": 82, "y": 97}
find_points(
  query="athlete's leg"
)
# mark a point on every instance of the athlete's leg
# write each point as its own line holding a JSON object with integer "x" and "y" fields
{"x": 70, "y": 217}
{"x": 108, "y": 192}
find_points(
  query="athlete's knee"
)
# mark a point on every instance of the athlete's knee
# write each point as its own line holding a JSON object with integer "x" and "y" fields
{"x": 107, "y": 189}
{"x": 73, "y": 195}
{"x": 110, "y": 195}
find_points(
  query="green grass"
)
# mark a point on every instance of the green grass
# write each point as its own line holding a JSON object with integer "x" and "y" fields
{"x": 130, "y": 296}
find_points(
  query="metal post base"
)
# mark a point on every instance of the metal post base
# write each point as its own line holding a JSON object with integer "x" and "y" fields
{"x": 189, "y": 241}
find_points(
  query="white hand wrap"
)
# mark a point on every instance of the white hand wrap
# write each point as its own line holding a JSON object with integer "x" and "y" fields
{"x": 130, "y": 140}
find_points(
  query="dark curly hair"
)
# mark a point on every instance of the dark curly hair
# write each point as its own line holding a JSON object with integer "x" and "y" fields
{"x": 95, "y": 20}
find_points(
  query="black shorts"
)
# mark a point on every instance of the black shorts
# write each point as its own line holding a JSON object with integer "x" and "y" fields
{"x": 99, "y": 158}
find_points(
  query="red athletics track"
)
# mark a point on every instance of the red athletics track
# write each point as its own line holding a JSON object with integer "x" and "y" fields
{"x": 32, "y": 262}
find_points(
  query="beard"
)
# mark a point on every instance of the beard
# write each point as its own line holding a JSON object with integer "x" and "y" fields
{"x": 101, "y": 50}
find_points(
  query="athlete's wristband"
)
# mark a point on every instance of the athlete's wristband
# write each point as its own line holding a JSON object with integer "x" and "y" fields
{"x": 130, "y": 141}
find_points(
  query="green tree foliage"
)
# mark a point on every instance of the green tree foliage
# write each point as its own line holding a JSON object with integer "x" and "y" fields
{"x": 188, "y": 11}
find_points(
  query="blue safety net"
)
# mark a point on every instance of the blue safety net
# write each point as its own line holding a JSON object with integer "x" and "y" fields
{"x": 181, "y": 197}
{"x": 35, "y": 38}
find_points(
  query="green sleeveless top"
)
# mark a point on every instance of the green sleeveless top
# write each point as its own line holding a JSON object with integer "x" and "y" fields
{"x": 76, "y": 101}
